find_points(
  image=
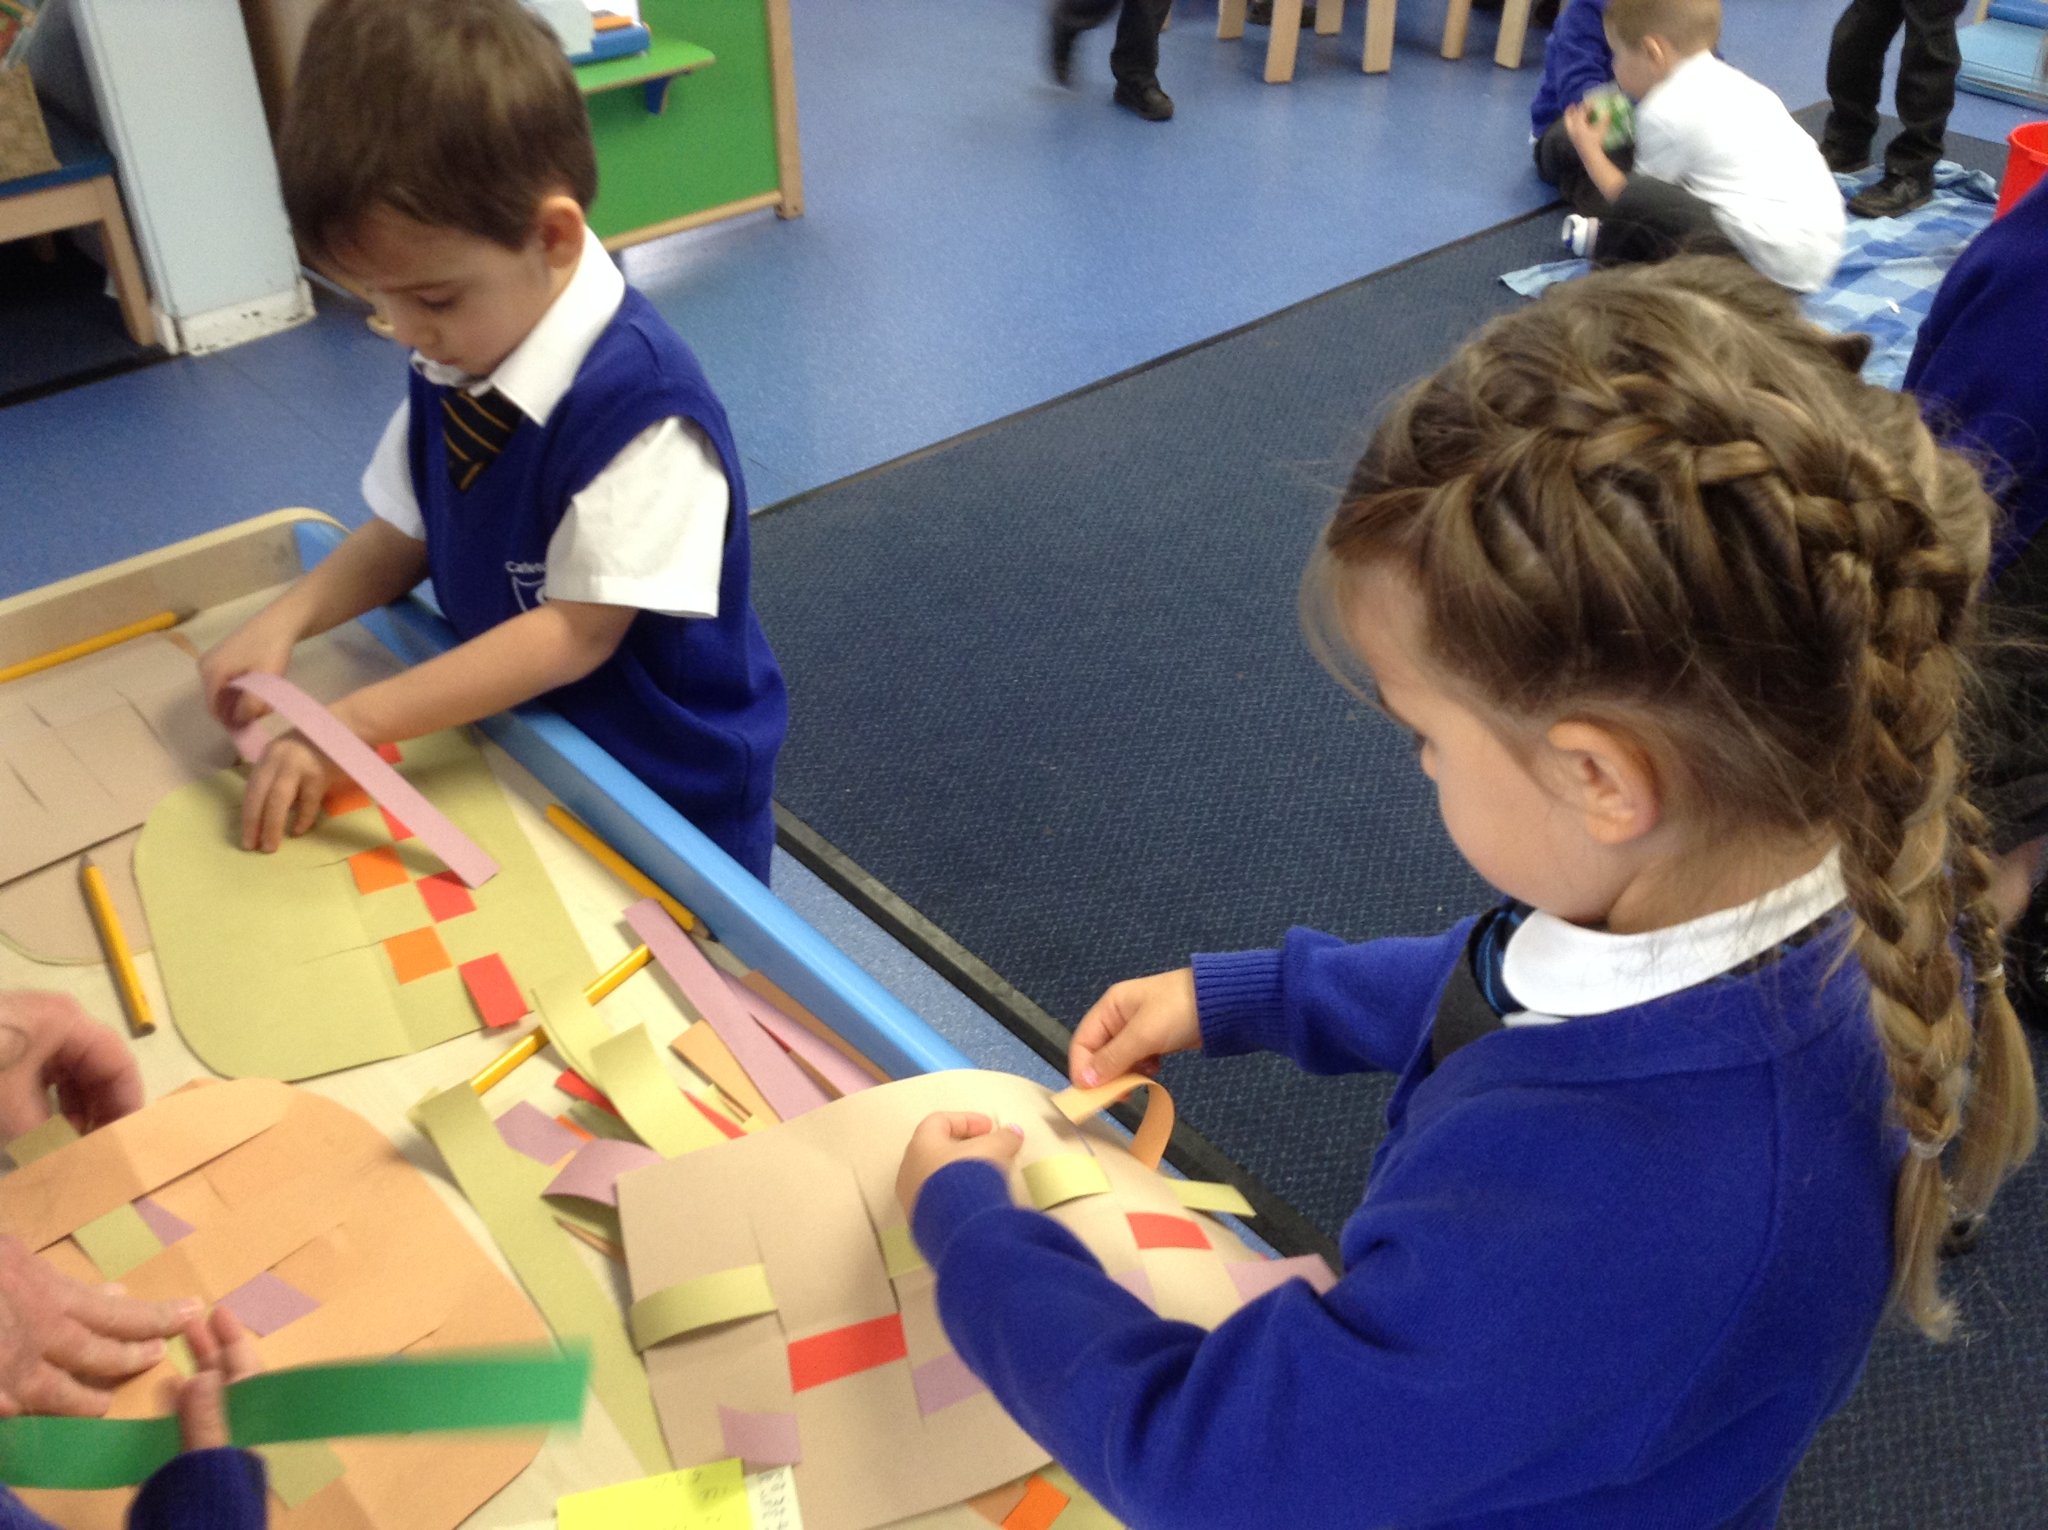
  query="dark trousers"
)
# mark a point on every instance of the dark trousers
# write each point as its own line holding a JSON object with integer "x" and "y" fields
{"x": 1135, "y": 58}
{"x": 1559, "y": 165}
{"x": 1654, "y": 220}
{"x": 1925, "y": 94}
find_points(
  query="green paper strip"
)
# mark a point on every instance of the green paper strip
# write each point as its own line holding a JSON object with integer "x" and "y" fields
{"x": 899, "y": 1251}
{"x": 1065, "y": 1177}
{"x": 630, "y": 1073}
{"x": 692, "y": 1304}
{"x": 574, "y": 1027}
{"x": 599, "y": 1123}
{"x": 53, "y": 1134}
{"x": 503, "y": 1389}
{"x": 1211, "y": 1195}
{"x": 505, "y": 1188}
{"x": 299, "y": 1470}
{"x": 600, "y": 1221}
{"x": 118, "y": 1242}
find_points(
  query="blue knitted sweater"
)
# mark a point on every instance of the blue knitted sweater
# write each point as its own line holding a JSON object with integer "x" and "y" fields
{"x": 1608, "y": 1272}
{"x": 1576, "y": 59}
{"x": 199, "y": 1490}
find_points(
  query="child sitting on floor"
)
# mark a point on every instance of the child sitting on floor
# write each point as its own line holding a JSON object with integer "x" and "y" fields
{"x": 560, "y": 465}
{"x": 1673, "y": 605}
{"x": 1720, "y": 166}
{"x": 1576, "y": 63}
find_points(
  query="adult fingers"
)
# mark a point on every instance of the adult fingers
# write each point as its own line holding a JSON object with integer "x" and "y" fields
{"x": 95, "y": 1074}
{"x": 93, "y": 1356}
{"x": 110, "y": 1311}
{"x": 51, "y": 1389}
{"x": 203, "y": 1412}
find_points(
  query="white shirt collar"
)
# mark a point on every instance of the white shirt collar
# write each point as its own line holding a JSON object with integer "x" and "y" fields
{"x": 543, "y": 365}
{"x": 1558, "y": 970}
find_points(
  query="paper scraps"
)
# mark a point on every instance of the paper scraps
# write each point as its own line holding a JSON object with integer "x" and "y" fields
{"x": 710, "y": 1497}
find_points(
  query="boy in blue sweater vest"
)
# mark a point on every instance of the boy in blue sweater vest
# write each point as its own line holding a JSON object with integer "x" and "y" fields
{"x": 560, "y": 466}
{"x": 1669, "y": 601}
{"x": 1576, "y": 62}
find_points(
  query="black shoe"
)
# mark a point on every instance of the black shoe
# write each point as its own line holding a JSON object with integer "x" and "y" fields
{"x": 1843, "y": 159}
{"x": 1061, "y": 52}
{"x": 1894, "y": 195}
{"x": 1260, "y": 13}
{"x": 1147, "y": 100}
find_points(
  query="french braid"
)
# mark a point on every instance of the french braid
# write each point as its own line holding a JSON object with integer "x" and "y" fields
{"x": 1659, "y": 497}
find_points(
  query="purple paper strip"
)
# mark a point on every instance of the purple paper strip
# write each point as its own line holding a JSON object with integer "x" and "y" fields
{"x": 760, "y": 1439}
{"x": 1256, "y": 1278}
{"x": 830, "y": 1064}
{"x": 942, "y": 1382}
{"x": 168, "y": 1226}
{"x": 1139, "y": 1284}
{"x": 781, "y": 1082}
{"x": 540, "y": 1138}
{"x": 267, "y": 1303}
{"x": 593, "y": 1173}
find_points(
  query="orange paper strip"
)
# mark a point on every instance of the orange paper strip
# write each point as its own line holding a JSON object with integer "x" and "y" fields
{"x": 1042, "y": 1506}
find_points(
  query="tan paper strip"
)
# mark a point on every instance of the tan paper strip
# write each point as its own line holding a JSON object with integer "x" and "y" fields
{"x": 1149, "y": 1145}
{"x": 703, "y": 1049}
{"x": 1064, "y": 1177}
{"x": 692, "y": 1304}
{"x": 1211, "y": 1195}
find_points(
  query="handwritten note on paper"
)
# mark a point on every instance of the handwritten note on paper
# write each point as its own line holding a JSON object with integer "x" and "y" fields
{"x": 771, "y": 1495}
{"x": 710, "y": 1497}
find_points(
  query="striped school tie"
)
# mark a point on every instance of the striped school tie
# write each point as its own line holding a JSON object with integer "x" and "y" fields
{"x": 475, "y": 428}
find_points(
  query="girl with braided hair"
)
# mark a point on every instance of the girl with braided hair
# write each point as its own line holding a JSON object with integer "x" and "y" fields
{"x": 1677, "y": 610}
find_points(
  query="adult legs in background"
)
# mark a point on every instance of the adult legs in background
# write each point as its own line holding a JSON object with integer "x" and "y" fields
{"x": 1134, "y": 59}
{"x": 1856, "y": 77}
{"x": 1929, "y": 61}
{"x": 1925, "y": 95}
{"x": 1558, "y": 164}
{"x": 1654, "y": 220}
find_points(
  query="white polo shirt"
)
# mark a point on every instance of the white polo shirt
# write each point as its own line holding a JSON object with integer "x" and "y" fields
{"x": 649, "y": 530}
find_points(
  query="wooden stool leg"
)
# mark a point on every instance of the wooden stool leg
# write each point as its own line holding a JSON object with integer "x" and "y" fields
{"x": 1280, "y": 49}
{"x": 1230, "y": 19}
{"x": 1166, "y": 17}
{"x": 1514, "y": 29}
{"x": 1456, "y": 19}
{"x": 126, "y": 269}
{"x": 1379, "y": 35}
{"x": 1329, "y": 17}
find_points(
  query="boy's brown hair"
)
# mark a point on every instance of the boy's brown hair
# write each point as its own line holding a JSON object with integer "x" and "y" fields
{"x": 1690, "y": 26}
{"x": 459, "y": 114}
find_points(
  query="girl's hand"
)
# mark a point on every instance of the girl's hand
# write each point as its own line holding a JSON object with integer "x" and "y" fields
{"x": 1133, "y": 1025}
{"x": 225, "y": 1353}
{"x": 284, "y": 792}
{"x": 952, "y": 1136}
{"x": 261, "y": 645}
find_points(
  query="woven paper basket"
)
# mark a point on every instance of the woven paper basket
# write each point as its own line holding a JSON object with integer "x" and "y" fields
{"x": 24, "y": 140}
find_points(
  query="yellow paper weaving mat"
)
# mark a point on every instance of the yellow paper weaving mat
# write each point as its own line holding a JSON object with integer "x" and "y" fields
{"x": 54, "y": 1196}
{"x": 270, "y": 963}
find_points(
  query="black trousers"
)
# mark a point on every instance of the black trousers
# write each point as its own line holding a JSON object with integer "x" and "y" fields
{"x": 1559, "y": 165}
{"x": 1925, "y": 93}
{"x": 1654, "y": 220}
{"x": 1134, "y": 60}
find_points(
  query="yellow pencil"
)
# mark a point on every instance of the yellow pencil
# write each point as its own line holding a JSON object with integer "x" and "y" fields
{"x": 617, "y": 864}
{"x": 118, "y": 956}
{"x": 525, "y": 1047}
{"x": 157, "y": 623}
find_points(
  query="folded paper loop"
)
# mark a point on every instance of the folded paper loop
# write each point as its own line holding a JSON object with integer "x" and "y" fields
{"x": 461, "y": 854}
{"x": 1211, "y": 1195}
{"x": 1149, "y": 1144}
{"x": 692, "y": 1304}
{"x": 1064, "y": 1177}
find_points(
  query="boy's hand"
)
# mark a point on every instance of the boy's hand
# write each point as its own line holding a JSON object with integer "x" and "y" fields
{"x": 947, "y": 1137}
{"x": 1586, "y": 131}
{"x": 284, "y": 792}
{"x": 261, "y": 645}
{"x": 225, "y": 1353}
{"x": 1133, "y": 1025}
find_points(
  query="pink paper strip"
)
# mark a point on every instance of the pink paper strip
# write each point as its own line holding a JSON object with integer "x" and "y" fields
{"x": 832, "y": 1065}
{"x": 168, "y": 1226}
{"x": 760, "y": 1439}
{"x": 267, "y": 1303}
{"x": 1139, "y": 1284}
{"x": 392, "y": 792}
{"x": 781, "y": 1082}
{"x": 1255, "y": 1280}
{"x": 942, "y": 1382}
{"x": 539, "y": 1137}
{"x": 594, "y": 1172}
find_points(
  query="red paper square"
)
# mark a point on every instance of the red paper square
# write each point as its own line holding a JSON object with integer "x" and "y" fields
{"x": 491, "y": 989}
{"x": 445, "y": 896}
{"x": 388, "y": 753}
{"x": 397, "y": 829}
{"x": 1153, "y": 1229}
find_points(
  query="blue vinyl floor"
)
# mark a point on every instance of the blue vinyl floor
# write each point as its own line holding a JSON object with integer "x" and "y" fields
{"x": 976, "y": 241}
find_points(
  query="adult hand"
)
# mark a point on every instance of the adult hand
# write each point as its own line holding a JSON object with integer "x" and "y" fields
{"x": 1133, "y": 1025}
{"x": 947, "y": 1137}
{"x": 47, "y": 1041}
{"x": 284, "y": 792}
{"x": 64, "y": 1346}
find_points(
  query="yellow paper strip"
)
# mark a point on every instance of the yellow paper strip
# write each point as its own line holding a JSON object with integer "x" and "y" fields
{"x": 1148, "y": 1146}
{"x": 574, "y": 1028}
{"x": 1211, "y": 1195}
{"x": 300, "y": 1469}
{"x": 693, "y": 1304}
{"x": 505, "y": 1188}
{"x": 118, "y": 1242}
{"x": 899, "y": 1251}
{"x": 630, "y": 1073}
{"x": 1064, "y": 1177}
{"x": 712, "y": 1497}
{"x": 41, "y": 1142}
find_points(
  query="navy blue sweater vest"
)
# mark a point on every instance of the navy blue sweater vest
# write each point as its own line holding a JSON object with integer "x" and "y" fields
{"x": 694, "y": 707}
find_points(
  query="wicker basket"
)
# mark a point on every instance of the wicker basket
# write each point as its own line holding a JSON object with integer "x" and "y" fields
{"x": 24, "y": 139}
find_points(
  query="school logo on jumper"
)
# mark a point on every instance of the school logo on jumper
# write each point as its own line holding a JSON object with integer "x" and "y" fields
{"x": 527, "y": 579}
